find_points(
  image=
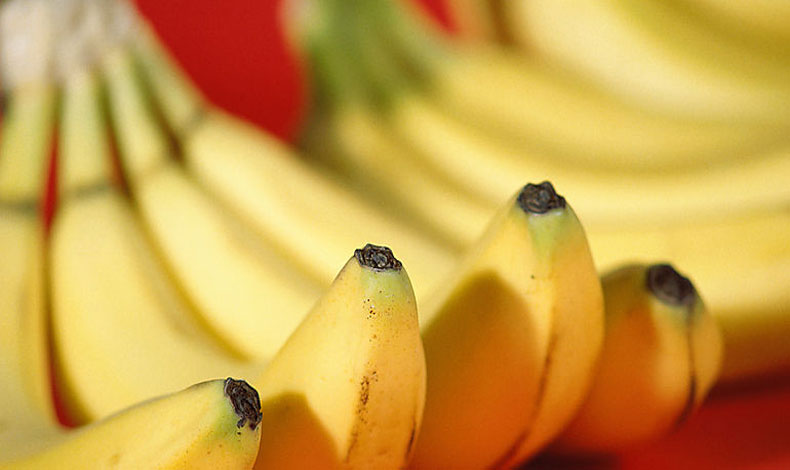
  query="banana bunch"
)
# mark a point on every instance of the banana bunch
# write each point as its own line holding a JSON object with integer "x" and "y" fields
{"x": 187, "y": 245}
{"x": 156, "y": 284}
{"x": 703, "y": 187}
{"x": 211, "y": 425}
{"x": 712, "y": 59}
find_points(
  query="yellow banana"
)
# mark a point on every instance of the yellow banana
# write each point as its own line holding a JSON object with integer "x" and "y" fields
{"x": 547, "y": 111}
{"x": 661, "y": 355}
{"x": 273, "y": 190}
{"x": 25, "y": 141}
{"x": 244, "y": 290}
{"x": 512, "y": 339}
{"x": 212, "y": 425}
{"x": 487, "y": 166}
{"x": 333, "y": 409}
{"x": 741, "y": 267}
{"x": 648, "y": 52}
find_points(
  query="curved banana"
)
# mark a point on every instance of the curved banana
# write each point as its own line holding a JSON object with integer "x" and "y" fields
{"x": 243, "y": 289}
{"x": 661, "y": 355}
{"x": 512, "y": 339}
{"x": 649, "y": 53}
{"x": 26, "y": 132}
{"x": 547, "y": 111}
{"x": 274, "y": 191}
{"x": 741, "y": 266}
{"x": 348, "y": 388}
{"x": 487, "y": 166}
{"x": 102, "y": 270}
{"x": 207, "y": 426}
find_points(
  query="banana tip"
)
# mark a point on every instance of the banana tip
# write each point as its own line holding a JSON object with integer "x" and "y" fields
{"x": 377, "y": 257}
{"x": 669, "y": 286}
{"x": 246, "y": 402}
{"x": 540, "y": 198}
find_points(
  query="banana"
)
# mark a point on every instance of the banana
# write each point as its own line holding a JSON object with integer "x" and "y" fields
{"x": 661, "y": 355}
{"x": 348, "y": 388}
{"x": 741, "y": 267}
{"x": 243, "y": 289}
{"x": 26, "y": 132}
{"x": 212, "y": 425}
{"x": 102, "y": 268}
{"x": 487, "y": 166}
{"x": 548, "y": 111}
{"x": 237, "y": 162}
{"x": 512, "y": 339}
{"x": 649, "y": 53}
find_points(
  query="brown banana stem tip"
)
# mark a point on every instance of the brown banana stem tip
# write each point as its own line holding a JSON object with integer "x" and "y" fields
{"x": 669, "y": 286}
{"x": 540, "y": 198}
{"x": 246, "y": 402}
{"x": 377, "y": 257}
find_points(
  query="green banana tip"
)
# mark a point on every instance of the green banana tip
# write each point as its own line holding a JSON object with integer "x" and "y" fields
{"x": 246, "y": 402}
{"x": 540, "y": 198}
{"x": 669, "y": 286}
{"x": 379, "y": 258}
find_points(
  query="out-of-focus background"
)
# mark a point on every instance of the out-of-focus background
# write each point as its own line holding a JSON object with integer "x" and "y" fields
{"x": 236, "y": 52}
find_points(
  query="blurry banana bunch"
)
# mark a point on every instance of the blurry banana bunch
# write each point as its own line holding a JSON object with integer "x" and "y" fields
{"x": 188, "y": 247}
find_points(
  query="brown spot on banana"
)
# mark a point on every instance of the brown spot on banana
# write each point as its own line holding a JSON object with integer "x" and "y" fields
{"x": 362, "y": 408}
{"x": 410, "y": 444}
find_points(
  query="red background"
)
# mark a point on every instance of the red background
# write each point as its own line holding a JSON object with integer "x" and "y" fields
{"x": 236, "y": 53}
